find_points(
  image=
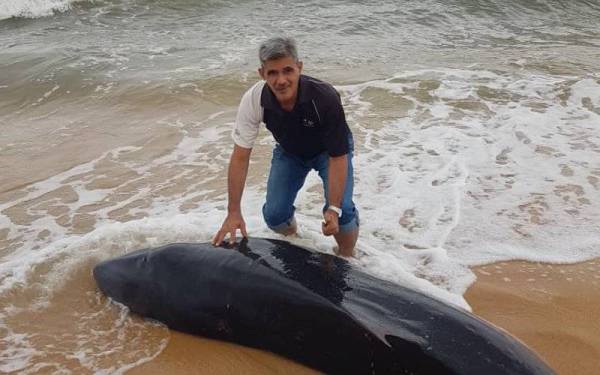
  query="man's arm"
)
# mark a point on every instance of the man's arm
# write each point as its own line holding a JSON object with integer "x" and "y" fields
{"x": 236, "y": 177}
{"x": 236, "y": 180}
{"x": 338, "y": 171}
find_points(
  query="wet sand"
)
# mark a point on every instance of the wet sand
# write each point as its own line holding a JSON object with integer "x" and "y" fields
{"x": 186, "y": 354}
{"x": 554, "y": 309}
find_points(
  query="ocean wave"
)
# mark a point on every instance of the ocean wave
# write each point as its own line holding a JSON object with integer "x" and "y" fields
{"x": 32, "y": 8}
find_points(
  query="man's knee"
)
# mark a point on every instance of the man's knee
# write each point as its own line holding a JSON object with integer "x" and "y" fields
{"x": 277, "y": 218}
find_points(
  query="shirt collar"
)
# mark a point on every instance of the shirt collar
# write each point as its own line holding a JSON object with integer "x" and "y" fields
{"x": 268, "y": 99}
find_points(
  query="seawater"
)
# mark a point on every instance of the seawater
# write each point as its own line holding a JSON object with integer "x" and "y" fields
{"x": 477, "y": 128}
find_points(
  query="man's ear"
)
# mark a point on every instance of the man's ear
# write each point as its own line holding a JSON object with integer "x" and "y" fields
{"x": 261, "y": 72}
{"x": 300, "y": 65}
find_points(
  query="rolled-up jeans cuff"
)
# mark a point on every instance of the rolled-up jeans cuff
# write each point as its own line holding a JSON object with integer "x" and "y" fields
{"x": 283, "y": 227}
{"x": 351, "y": 225}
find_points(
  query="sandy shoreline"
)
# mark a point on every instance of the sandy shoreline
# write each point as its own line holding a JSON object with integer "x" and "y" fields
{"x": 552, "y": 308}
{"x": 186, "y": 354}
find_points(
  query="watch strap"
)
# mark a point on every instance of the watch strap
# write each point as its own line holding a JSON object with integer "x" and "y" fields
{"x": 335, "y": 209}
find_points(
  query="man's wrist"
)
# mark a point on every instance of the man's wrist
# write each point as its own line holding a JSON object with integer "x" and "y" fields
{"x": 237, "y": 211}
{"x": 335, "y": 209}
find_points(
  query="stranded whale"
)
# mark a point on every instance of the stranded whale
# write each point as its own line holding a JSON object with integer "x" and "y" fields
{"x": 314, "y": 308}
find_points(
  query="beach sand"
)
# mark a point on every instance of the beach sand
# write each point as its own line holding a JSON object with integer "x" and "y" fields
{"x": 554, "y": 309}
{"x": 187, "y": 354}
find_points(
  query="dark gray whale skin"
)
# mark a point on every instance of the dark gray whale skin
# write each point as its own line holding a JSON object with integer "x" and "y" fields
{"x": 316, "y": 309}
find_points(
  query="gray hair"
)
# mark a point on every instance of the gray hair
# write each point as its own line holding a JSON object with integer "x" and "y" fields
{"x": 277, "y": 48}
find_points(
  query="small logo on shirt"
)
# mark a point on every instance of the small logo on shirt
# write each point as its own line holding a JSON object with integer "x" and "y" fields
{"x": 308, "y": 123}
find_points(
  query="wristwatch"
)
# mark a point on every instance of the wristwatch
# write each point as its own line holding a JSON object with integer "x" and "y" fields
{"x": 335, "y": 209}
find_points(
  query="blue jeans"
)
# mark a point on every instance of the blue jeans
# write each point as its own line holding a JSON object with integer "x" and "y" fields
{"x": 287, "y": 175}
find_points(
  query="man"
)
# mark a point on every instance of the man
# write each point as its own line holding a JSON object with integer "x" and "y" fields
{"x": 306, "y": 118}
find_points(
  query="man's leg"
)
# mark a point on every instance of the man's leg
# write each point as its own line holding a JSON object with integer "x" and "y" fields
{"x": 346, "y": 242}
{"x": 286, "y": 177}
{"x": 349, "y": 221}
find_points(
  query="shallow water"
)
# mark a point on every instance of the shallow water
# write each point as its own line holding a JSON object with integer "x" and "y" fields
{"x": 476, "y": 127}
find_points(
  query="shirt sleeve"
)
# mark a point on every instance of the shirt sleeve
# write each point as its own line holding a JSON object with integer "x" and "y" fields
{"x": 336, "y": 129}
{"x": 249, "y": 117}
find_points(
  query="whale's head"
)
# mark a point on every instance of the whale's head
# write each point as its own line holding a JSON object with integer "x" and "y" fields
{"x": 125, "y": 279}
{"x": 185, "y": 271}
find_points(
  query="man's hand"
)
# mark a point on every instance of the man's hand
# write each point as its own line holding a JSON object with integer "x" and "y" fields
{"x": 330, "y": 225}
{"x": 232, "y": 223}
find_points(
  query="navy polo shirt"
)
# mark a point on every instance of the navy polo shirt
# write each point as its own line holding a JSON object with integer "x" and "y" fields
{"x": 317, "y": 122}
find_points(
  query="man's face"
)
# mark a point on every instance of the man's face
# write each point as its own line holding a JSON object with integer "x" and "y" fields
{"x": 282, "y": 75}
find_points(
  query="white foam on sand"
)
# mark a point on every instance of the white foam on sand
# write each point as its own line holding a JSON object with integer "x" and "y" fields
{"x": 489, "y": 167}
{"x": 15, "y": 353}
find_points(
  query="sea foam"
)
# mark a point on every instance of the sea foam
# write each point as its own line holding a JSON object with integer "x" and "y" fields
{"x": 32, "y": 8}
